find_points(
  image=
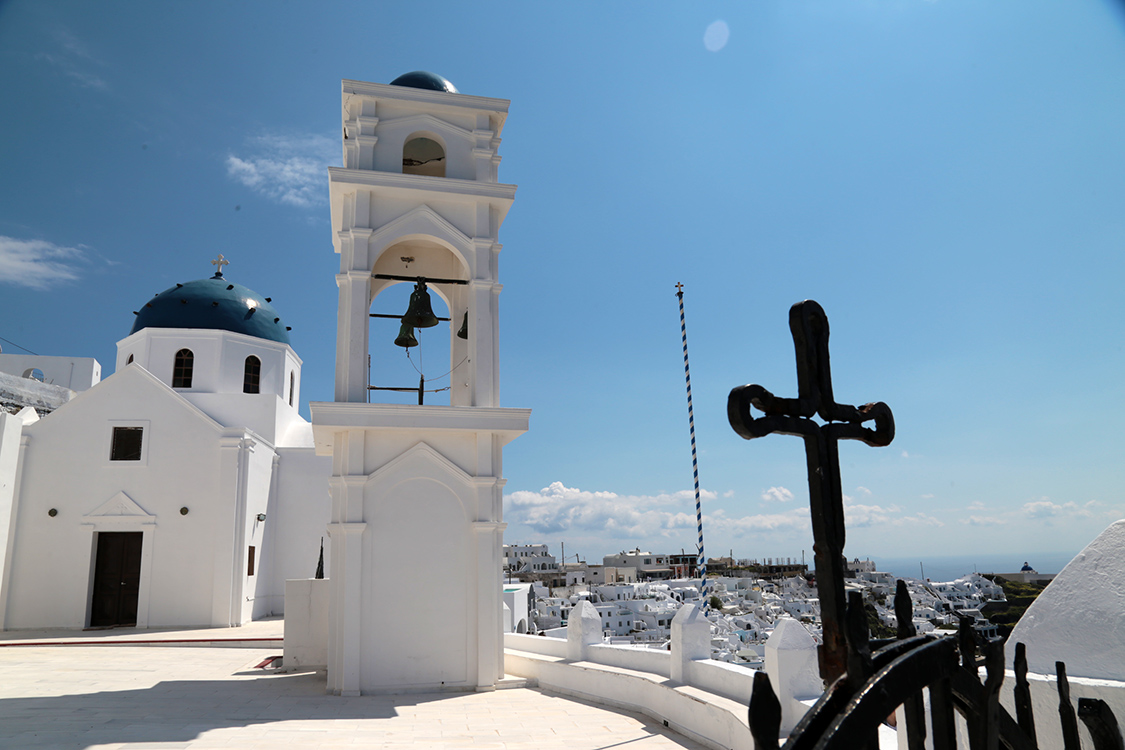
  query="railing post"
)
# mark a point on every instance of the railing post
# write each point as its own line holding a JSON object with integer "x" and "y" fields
{"x": 583, "y": 629}
{"x": 691, "y": 641}
{"x": 1099, "y": 719}
{"x": 791, "y": 663}
{"x": 1066, "y": 710}
{"x": 1025, "y": 717}
{"x": 859, "y": 656}
{"x": 764, "y": 714}
{"x": 914, "y": 707}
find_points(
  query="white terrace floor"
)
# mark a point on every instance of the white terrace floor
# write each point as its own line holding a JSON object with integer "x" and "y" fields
{"x": 148, "y": 696}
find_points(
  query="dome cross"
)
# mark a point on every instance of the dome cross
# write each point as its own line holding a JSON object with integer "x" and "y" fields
{"x": 219, "y": 263}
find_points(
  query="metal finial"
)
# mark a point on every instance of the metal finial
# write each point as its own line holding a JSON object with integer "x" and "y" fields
{"x": 219, "y": 263}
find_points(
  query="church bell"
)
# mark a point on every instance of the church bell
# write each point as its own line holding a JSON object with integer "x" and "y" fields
{"x": 419, "y": 314}
{"x": 406, "y": 336}
{"x": 463, "y": 333}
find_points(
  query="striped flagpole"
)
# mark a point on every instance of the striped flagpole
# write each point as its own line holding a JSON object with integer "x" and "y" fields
{"x": 694, "y": 459}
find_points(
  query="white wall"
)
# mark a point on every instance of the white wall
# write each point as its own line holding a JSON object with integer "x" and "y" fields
{"x": 66, "y": 466}
{"x": 424, "y": 634}
{"x": 297, "y": 514}
{"x": 219, "y": 359}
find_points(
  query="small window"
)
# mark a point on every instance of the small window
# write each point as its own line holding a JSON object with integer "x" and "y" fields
{"x": 126, "y": 444}
{"x": 34, "y": 374}
{"x": 423, "y": 156}
{"x": 251, "y": 375}
{"x": 292, "y": 386}
{"x": 129, "y": 361}
{"x": 181, "y": 371}
{"x": 250, "y": 563}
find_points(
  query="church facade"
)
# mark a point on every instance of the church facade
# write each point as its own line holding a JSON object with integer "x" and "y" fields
{"x": 181, "y": 491}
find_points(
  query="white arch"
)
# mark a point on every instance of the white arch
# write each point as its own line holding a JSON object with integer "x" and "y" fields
{"x": 422, "y": 223}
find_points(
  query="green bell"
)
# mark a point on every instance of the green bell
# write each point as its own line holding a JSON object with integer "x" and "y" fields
{"x": 464, "y": 332}
{"x": 420, "y": 314}
{"x": 406, "y": 336}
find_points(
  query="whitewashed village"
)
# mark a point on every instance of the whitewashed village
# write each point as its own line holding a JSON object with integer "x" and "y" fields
{"x": 196, "y": 496}
{"x": 637, "y": 594}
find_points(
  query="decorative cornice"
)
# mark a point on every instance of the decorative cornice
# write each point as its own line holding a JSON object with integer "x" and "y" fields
{"x": 406, "y": 93}
{"x": 450, "y": 186}
{"x": 332, "y": 416}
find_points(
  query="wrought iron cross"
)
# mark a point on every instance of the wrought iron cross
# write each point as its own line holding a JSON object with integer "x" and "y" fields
{"x": 793, "y": 416}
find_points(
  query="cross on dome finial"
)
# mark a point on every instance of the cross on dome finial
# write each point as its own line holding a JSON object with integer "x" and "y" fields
{"x": 219, "y": 263}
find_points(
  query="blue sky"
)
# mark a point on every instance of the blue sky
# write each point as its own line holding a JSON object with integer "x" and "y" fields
{"x": 945, "y": 178}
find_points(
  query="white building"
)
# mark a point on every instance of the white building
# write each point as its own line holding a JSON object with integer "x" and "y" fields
{"x": 528, "y": 558}
{"x": 646, "y": 564}
{"x": 180, "y": 491}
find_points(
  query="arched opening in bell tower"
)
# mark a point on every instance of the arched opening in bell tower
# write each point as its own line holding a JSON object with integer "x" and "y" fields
{"x": 418, "y": 275}
{"x": 423, "y": 155}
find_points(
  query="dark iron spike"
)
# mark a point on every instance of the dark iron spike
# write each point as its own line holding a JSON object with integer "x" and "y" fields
{"x": 967, "y": 642}
{"x": 1099, "y": 719}
{"x": 990, "y": 712}
{"x": 764, "y": 713}
{"x": 1025, "y": 717}
{"x": 904, "y": 611}
{"x": 1066, "y": 711}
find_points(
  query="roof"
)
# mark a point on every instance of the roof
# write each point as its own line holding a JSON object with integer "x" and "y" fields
{"x": 213, "y": 303}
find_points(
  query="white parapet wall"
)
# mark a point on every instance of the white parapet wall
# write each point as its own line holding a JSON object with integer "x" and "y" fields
{"x": 700, "y": 698}
{"x": 306, "y": 624}
{"x": 1045, "y": 702}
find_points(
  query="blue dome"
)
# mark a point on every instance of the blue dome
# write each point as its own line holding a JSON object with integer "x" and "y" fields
{"x": 216, "y": 304}
{"x": 421, "y": 79}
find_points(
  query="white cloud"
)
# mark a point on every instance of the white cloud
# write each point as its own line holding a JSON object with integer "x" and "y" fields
{"x": 37, "y": 264}
{"x": 73, "y": 60}
{"x": 1042, "y": 509}
{"x": 287, "y": 169}
{"x": 777, "y": 495}
{"x": 982, "y": 521}
{"x": 559, "y": 508}
{"x": 859, "y": 515}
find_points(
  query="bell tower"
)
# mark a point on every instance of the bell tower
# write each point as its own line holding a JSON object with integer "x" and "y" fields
{"x": 417, "y": 488}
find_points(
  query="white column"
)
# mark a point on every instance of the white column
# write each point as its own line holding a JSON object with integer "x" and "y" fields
{"x": 490, "y": 605}
{"x": 351, "y": 335}
{"x": 230, "y": 554}
{"x": 344, "y": 647}
{"x": 481, "y": 326}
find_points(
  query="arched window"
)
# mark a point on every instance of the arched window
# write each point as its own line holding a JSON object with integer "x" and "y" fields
{"x": 251, "y": 375}
{"x": 181, "y": 370}
{"x": 423, "y": 156}
{"x": 292, "y": 385}
{"x": 129, "y": 361}
{"x": 34, "y": 374}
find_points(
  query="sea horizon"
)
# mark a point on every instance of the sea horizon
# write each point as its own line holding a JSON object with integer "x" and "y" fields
{"x": 951, "y": 567}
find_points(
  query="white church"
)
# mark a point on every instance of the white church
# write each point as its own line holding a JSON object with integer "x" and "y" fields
{"x": 181, "y": 491}
{"x": 185, "y": 489}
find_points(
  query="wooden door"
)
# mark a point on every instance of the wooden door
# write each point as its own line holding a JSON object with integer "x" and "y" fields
{"x": 117, "y": 578}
